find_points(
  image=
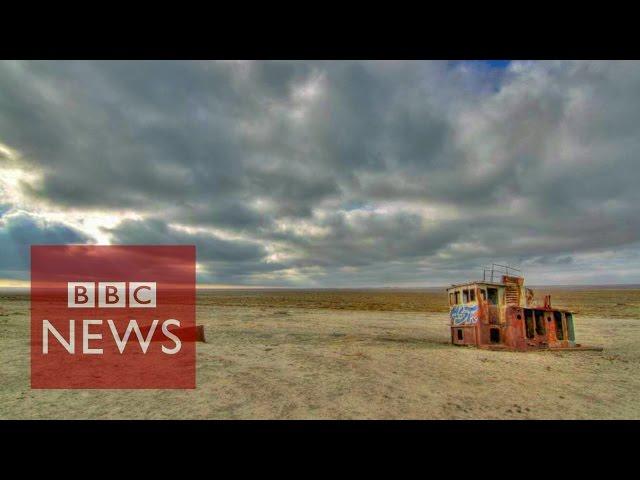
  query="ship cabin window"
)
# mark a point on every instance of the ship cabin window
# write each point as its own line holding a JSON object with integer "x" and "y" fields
{"x": 540, "y": 328}
{"x": 528, "y": 322}
{"x": 557, "y": 317}
{"x": 465, "y": 295}
{"x": 492, "y": 293}
{"x": 472, "y": 294}
{"x": 483, "y": 294}
{"x": 456, "y": 296}
{"x": 451, "y": 299}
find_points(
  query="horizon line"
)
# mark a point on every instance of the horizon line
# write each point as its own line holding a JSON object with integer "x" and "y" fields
{"x": 26, "y": 284}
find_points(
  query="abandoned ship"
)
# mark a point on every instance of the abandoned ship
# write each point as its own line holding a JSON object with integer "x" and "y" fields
{"x": 503, "y": 314}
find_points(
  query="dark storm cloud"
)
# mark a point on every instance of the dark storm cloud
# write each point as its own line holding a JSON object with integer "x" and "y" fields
{"x": 337, "y": 172}
{"x": 369, "y": 238}
{"x": 210, "y": 247}
{"x": 562, "y": 260}
{"x": 148, "y": 133}
{"x": 221, "y": 261}
{"x": 227, "y": 214}
{"x": 19, "y": 231}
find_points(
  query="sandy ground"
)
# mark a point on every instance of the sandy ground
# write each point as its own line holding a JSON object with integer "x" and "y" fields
{"x": 286, "y": 362}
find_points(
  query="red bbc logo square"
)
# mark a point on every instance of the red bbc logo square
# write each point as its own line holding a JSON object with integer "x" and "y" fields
{"x": 113, "y": 316}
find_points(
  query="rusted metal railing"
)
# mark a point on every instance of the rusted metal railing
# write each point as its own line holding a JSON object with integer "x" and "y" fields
{"x": 498, "y": 269}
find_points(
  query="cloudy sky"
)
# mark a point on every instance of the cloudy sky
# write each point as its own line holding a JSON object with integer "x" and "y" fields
{"x": 328, "y": 174}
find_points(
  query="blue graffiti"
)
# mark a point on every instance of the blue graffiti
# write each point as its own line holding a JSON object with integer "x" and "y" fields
{"x": 464, "y": 314}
